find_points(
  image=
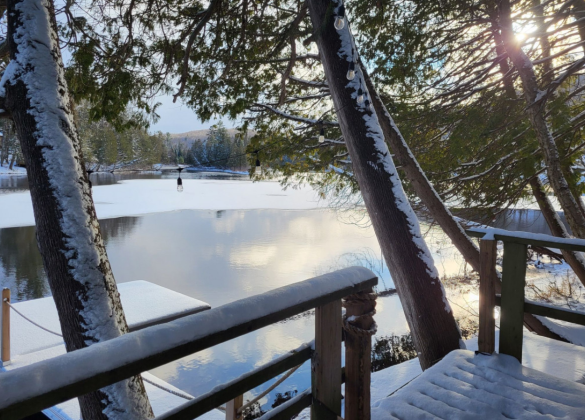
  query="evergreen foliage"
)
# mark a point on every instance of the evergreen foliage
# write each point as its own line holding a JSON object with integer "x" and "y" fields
{"x": 219, "y": 149}
{"x": 106, "y": 147}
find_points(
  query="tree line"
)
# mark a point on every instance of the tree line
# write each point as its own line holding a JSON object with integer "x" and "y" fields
{"x": 219, "y": 150}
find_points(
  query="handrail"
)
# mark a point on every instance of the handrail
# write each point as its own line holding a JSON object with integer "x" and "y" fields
{"x": 240, "y": 385}
{"x": 512, "y": 301}
{"x": 32, "y": 388}
{"x": 527, "y": 238}
{"x": 550, "y": 311}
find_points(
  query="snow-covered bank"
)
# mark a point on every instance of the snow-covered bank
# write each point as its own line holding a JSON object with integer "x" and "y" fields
{"x": 137, "y": 197}
{"x": 16, "y": 170}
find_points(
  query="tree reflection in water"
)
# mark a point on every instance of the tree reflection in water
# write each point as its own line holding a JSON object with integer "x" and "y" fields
{"x": 21, "y": 263}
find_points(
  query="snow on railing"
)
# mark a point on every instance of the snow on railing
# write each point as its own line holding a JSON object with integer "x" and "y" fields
{"x": 29, "y": 389}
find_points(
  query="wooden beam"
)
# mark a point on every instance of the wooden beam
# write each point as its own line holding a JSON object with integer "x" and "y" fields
{"x": 512, "y": 313}
{"x": 549, "y": 311}
{"x": 487, "y": 295}
{"x": 238, "y": 386}
{"x": 232, "y": 406}
{"x": 30, "y": 389}
{"x": 5, "y": 358}
{"x": 326, "y": 363}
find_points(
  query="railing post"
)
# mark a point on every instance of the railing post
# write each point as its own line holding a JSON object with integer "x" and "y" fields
{"x": 232, "y": 406}
{"x": 326, "y": 363}
{"x": 359, "y": 326}
{"x": 5, "y": 327}
{"x": 487, "y": 295}
{"x": 512, "y": 313}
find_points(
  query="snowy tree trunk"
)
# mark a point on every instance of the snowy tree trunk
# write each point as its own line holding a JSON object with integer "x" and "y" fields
{"x": 536, "y": 113}
{"x": 429, "y": 197}
{"x": 433, "y": 327}
{"x": 574, "y": 259}
{"x": 12, "y": 160}
{"x": 68, "y": 232}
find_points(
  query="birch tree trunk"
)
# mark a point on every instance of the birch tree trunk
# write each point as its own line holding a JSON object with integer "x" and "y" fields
{"x": 433, "y": 327}
{"x": 537, "y": 118}
{"x": 68, "y": 233}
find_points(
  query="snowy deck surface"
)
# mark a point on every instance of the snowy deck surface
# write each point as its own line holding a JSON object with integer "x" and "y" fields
{"x": 144, "y": 304}
{"x": 468, "y": 386}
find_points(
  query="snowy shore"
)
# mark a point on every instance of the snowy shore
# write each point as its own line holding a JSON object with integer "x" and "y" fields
{"x": 16, "y": 170}
{"x": 138, "y": 197}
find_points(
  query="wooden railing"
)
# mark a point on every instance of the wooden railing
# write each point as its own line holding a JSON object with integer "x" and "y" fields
{"x": 29, "y": 389}
{"x": 512, "y": 301}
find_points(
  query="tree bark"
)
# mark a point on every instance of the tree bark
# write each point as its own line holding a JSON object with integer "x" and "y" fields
{"x": 429, "y": 197}
{"x": 557, "y": 228}
{"x": 531, "y": 91}
{"x": 433, "y": 327}
{"x": 68, "y": 233}
{"x": 12, "y": 161}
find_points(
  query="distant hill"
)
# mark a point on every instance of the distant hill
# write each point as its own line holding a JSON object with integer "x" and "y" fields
{"x": 190, "y": 136}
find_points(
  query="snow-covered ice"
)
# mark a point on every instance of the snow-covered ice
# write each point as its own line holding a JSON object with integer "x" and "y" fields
{"x": 137, "y": 197}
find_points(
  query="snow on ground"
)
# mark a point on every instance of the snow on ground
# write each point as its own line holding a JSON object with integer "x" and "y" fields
{"x": 137, "y": 197}
{"x": 16, "y": 170}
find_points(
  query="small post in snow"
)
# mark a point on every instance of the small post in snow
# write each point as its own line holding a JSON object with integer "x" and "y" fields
{"x": 487, "y": 295}
{"x": 5, "y": 327}
{"x": 359, "y": 326}
{"x": 232, "y": 407}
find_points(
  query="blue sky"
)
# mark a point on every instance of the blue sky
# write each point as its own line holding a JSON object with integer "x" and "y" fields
{"x": 178, "y": 118}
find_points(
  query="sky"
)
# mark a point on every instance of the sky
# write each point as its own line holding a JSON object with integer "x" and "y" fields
{"x": 178, "y": 118}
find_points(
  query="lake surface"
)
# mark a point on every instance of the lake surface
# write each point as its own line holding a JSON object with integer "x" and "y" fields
{"x": 222, "y": 256}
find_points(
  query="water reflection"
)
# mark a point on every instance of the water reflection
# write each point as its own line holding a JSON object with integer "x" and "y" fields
{"x": 222, "y": 256}
{"x": 526, "y": 221}
{"x": 22, "y": 266}
{"x": 13, "y": 183}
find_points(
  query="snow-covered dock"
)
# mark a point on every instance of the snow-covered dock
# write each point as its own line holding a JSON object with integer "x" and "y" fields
{"x": 144, "y": 303}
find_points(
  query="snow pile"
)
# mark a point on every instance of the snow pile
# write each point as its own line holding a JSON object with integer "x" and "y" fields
{"x": 464, "y": 386}
{"x": 137, "y": 197}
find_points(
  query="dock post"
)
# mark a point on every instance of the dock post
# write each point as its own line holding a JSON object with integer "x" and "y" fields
{"x": 5, "y": 327}
{"x": 359, "y": 327}
{"x": 326, "y": 363}
{"x": 232, "y": 407}
{"x": 487, "y": 296}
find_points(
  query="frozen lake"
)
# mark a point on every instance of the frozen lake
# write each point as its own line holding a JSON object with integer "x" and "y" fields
{"x": 220, "y": 256}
